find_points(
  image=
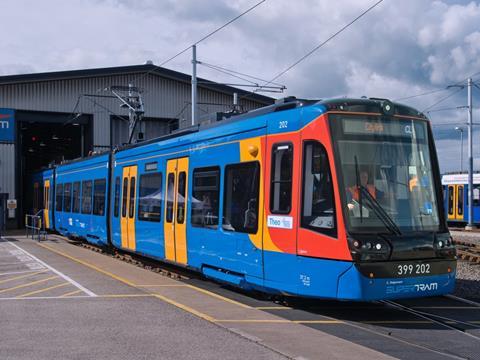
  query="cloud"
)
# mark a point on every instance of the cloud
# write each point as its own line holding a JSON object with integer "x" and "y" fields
{"x": 399, "y": 49}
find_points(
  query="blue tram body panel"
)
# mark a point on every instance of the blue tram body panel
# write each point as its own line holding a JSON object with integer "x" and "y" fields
{"x": 137, "y": 184}
{"x": 83, "y": 220}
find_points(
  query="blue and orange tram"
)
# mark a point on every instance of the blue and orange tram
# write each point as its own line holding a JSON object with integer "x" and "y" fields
{"x": 337, "y": 199}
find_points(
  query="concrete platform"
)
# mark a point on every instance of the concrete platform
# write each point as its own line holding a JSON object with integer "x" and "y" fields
{"x": 58, "y": 300}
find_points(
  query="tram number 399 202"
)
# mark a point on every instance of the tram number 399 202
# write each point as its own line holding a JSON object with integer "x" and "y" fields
{"x": 409, "y": 269}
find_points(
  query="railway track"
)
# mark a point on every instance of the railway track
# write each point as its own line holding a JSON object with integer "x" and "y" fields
{"x": 468, "y": 251}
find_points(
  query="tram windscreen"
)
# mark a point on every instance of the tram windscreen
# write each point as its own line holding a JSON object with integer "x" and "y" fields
{"x": 385, "y": 173}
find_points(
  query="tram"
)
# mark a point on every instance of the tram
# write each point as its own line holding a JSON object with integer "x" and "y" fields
{"x": 455, "y": 189}
{"x": 337, "y": 199}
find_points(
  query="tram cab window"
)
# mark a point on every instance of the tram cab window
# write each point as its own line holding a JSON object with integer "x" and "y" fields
{"x": 281, "y": 179}
{"x": 76, "y": 197}
{"x": 87, "y": 197}
{"x": 59, "y": 197}
{"x": 116, "y": 205}
{"x": 149, "y": 203}
{"x": 99, "y": 190}
{"x": 318, "y": 209}
{"x": 205, "y": 197}
{"x": 240, "y": 211}
{"x": 67, "y": 197}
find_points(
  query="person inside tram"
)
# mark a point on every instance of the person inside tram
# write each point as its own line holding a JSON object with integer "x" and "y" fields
{"x": 353, "y": 192}
{"x": 251, "y": 214}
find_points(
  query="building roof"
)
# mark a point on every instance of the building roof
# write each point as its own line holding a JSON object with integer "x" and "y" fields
{"x": 131, "y": 69}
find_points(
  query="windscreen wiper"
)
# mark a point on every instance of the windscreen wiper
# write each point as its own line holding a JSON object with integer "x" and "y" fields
{"x": 360, "y": 200}
{"x": 380, "y": 212}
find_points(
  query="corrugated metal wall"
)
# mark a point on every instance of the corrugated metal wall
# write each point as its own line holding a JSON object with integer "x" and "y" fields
{"x": 7, "y": 169}
{"x": 163, "y": 97}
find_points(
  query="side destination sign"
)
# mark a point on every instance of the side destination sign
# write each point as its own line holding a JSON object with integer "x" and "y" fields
{"x": 7, "y": 125}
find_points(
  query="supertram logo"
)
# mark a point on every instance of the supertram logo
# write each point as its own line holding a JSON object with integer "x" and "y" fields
{"x": 7, "y": 125}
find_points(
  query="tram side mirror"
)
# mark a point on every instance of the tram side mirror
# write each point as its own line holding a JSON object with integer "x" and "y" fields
{"x": 140, "y": 136}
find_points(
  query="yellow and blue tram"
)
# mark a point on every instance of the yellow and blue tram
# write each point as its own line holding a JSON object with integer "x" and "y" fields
{"x": 333, "y": 199}
{"x": 455, "y": 190}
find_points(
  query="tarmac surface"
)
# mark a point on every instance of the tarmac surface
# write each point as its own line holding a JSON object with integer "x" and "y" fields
{"x": 61, "y": 301}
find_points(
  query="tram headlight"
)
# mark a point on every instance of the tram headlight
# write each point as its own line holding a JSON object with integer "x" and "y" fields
{"x": 369, "y": 250}
{"x": 443, "y": 245}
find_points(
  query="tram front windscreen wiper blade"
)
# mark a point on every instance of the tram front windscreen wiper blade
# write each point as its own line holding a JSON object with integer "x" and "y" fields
{"x": 380, "y": 212}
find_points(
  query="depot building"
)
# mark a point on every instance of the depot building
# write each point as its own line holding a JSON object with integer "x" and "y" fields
{"x": 51, "y": 117}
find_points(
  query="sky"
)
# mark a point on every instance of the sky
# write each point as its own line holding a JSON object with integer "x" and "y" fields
{"x": 398, "y": 50}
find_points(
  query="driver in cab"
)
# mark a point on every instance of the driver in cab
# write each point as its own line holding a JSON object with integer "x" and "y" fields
{"x": 353, "y": 192}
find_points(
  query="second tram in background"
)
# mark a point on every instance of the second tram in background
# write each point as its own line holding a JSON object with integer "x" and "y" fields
{"x": 455, "y": 195}
{"x": 333, "y": 199}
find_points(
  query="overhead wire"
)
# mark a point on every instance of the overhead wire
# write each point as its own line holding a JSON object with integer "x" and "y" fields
{"x": 239, "y": 73}
{"x": 442, "y": 99}
{"x": 202, "y": 39}
{"x": 227, "y": 73}
{"x": 316, "y": 48}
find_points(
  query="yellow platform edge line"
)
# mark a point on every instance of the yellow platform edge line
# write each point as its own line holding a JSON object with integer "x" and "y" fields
{"x": 212, "y": 294}
{"x": 185, "y": 308}
{"x": 125, "y": 281}
{"x": 91, "y": 266}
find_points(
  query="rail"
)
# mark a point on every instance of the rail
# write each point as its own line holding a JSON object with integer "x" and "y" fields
{"x": 35, "y": 226}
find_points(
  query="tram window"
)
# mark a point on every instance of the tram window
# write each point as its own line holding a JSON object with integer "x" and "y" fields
{"x": 170, "y": 190}
{"x": 117, "y": 197}
{"x": 240, "y": 211}
{"x": 76, "y": 197}
{"x": 281, "y": 179}
{"x": 87, "y": 197}
{"x": 181, "y": 197}
{"x": 149, "y": 202}
{"x": 99, "y": 190}
{"x": 124, "y": 197}
{"x": 67, "y": 197}
{"x": 131, "y": 210}
{"x": 450, "y": 200}
{"x": 318, "y": 210}
{"x": 205, "y": 195}
{"x": 59, "y": 197}
{"x": 460, "y": 200}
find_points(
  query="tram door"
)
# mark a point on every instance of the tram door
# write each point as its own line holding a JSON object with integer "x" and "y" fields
{"x": 455, "y": 202}
{"x": 459, "y": 202}
{"x": 129, "y": 199}
{"x": 175, "y": 222}
{"x": 46, "y": 202}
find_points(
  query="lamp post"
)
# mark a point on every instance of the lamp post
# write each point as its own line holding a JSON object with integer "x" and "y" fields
{"x": 458, "y": 128}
